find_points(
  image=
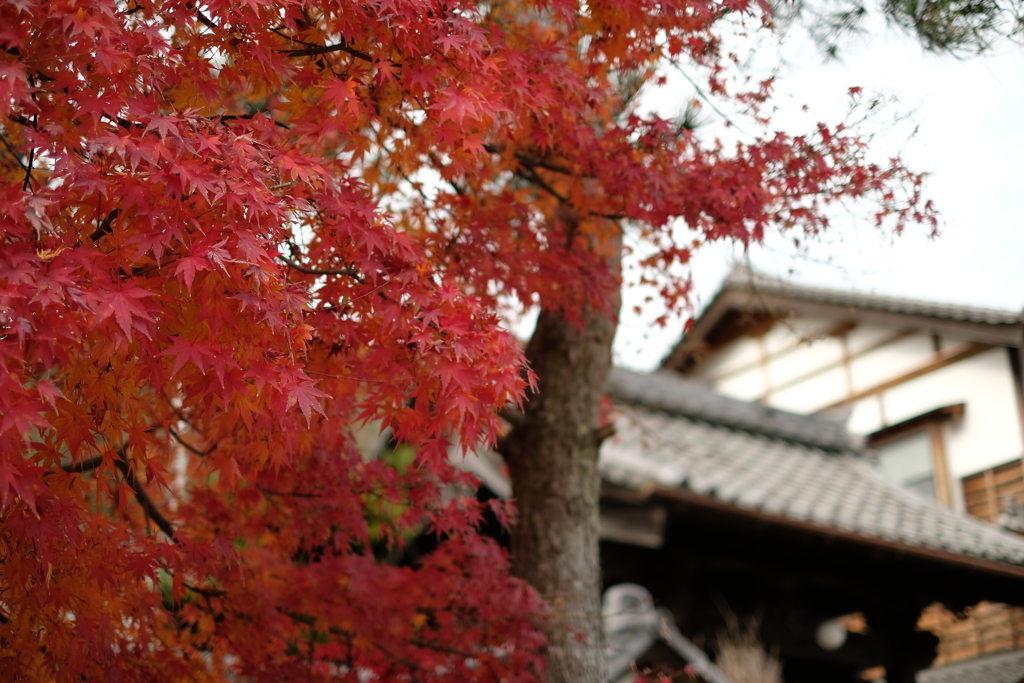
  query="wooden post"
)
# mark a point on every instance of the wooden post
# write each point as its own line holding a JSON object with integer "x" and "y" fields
{"x": 943, "y": 485}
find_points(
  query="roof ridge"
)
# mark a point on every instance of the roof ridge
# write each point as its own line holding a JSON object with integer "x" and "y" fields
{"x": 668, "y": 392}
{"x": 748, "y": 279}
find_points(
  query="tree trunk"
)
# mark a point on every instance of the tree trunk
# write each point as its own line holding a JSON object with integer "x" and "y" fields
{"x": 552, "y": 459}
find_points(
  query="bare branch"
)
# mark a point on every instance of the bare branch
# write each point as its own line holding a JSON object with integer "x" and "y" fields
{"x": 141, "y": 496}
{"x": 105, "y": 226}
{"x": 205, "y": 20}
{"x": 205, "y": 592}
{"x": 83, "y": 466}
{"x": 248, "y": 117}
{"x": 327, "y": 49}
{"x": 531, "y": 161}
{"x": 531, "y": 176}
{"x": 128, "y": 472}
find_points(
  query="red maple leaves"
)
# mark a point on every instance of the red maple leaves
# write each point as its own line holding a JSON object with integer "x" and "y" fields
{"x": 241, "y": 239}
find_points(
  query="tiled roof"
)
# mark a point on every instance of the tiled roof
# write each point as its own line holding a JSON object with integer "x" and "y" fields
{"x": 668, "y": 392}
{"x": 1006, "y": 667}
{"x": 677, "y": 435}
{"x": 744, "y": 280}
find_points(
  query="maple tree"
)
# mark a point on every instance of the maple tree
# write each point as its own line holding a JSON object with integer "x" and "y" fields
{"x": 238, "y": 235}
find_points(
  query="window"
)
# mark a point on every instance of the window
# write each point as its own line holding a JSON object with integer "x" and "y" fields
{"x": 912, "y": 453}
{"x": 910, "y": 463}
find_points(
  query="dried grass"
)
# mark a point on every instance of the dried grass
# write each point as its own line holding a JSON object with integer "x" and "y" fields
{"x": 742, "y": 656}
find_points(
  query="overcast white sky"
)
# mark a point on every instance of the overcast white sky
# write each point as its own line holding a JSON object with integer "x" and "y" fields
{"x": 969, "y": 116}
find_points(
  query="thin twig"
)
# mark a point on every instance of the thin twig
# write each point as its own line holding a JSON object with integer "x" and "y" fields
{"x": 310, "y": 621}
{"x": 534, "y": 178}
{"x": 350, "y": 272}
{"x": 708, "y": 100}
{"x": 188, "y": 446}
{"x": 25, "y": 186}
{"x": 439, "y": 166}
{"x": 292, "y": 494}
{"x": 536, "y": 162}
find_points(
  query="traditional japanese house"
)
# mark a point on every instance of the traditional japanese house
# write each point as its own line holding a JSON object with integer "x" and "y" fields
{"x": 721, "y": 507}
{"x": 935, "y": 390}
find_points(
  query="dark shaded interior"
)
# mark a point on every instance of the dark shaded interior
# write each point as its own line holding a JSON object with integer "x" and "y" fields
{"x": 791, "y": 580}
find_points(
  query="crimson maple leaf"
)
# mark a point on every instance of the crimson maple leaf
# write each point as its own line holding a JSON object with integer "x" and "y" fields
{"x": 124, "y": 304}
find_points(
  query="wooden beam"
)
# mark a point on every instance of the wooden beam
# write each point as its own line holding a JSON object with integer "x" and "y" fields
{"x": 810, "y": 374}
{"x": 835, "y": 331}
{"x": 939, "y": 360}
{"x": 644, "y": 527}
{"x": 897, "y": 431}
{"x": 1017, "y": 370}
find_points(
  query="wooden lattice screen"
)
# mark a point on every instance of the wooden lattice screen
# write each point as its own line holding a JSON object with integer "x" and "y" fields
{"x": 985, "y": 492}
{"x": 987, "y": 628}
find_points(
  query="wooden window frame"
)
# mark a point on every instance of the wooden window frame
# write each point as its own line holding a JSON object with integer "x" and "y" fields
{"x": 931, "y": 422}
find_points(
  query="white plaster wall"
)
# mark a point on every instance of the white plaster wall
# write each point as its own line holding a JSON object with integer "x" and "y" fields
{"x": 811, "y": 395}
{"x": 866, "y": 416}
{"x": 747, "y": 386}
{"x": 741, "y": 352}
{"x": 865, "y": 336}
{"x": 808, "y": 357}
{"x": 890, "y": 361}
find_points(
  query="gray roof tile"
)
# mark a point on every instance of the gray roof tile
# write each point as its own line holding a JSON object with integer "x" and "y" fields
{"x": 1005, "y": 667}
{"x": 674, "y": 434}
